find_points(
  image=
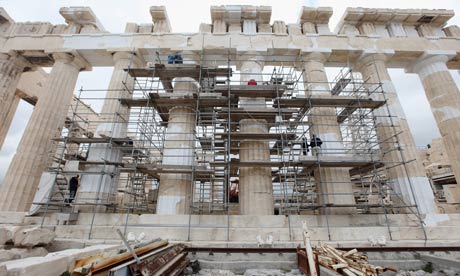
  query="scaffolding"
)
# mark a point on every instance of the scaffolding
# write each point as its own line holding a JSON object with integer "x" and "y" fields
{"x": 288, "y": 110}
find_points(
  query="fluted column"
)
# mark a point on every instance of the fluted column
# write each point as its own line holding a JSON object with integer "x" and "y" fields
{"x": 255, "y": 183}
{"x": 114, "y": 123}
{"x": 333, "y": 184}
{"x": 46, "y": 122}
{"x": 11, "y": 68}
{"x": 174, "y": 191}
{"x": 394, "y": 131}
{"x": 444, "y": 98}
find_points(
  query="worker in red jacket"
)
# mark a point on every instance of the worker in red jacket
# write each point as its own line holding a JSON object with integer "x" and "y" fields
{"x": 252, "y": 82}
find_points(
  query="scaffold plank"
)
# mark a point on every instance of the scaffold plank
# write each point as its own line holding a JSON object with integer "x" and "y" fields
{"x": 169, "y": 100}
{"x": 309, "y": 161}
{"x": 155, "y": 170}
{"x": 345, "y": 113}
{"x": 266, "y": 91}
{"x": 329, "y": 101}
{"x": 340, "y": 85}
{"x": 256, "y": 136}
{"x": 268, "y": 114}
{"x": 96, "y": 140}
{"x": 170, "y": 71}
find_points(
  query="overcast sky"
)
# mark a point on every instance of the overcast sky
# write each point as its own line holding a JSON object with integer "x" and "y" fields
{"x": 186, "y": 16}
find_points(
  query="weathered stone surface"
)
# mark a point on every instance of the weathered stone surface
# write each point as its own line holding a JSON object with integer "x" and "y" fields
{"x": 49, "y": 265}
{"x": 263, "y": 272}
{"x": 74, "y": 254}
{"x": 5, "y": 235}
{"x": 22, "y": 253}
{"x": 6, "y": 255}
{"x": 215, "y": 272}
{"x": 32, "y": 237}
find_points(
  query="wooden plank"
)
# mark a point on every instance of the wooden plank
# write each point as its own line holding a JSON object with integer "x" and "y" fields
{"x": 308, "y": 250}
{"x": 347, "y": 272}
{"x": 351, "y": 252}
{"x": 337, "y": 266}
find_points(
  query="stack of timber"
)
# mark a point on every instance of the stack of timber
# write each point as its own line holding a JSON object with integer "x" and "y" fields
{"x": 349, "y": 263}
{"x": 152, "y": 258}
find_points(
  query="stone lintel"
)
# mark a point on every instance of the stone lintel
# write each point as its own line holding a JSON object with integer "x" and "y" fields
{"x": 81, "y": 16}
{"x": 320, "y": 15}
{"x": 412, "y": 17}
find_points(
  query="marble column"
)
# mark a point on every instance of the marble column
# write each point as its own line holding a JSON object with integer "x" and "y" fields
{"x": 114, "y": 123}
{"x": 11, "y": 68}
{"x": 393, "y": 130}
{"x": 175, "y": 189}
{"x": 444, "y": 98}
{"x": 32, "y": 155}
{"x": 255, "y": 186}
{"x": 333, "y": 184}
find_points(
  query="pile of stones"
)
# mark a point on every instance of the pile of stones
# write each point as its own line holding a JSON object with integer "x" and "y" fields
{"x": 19, "y": 242}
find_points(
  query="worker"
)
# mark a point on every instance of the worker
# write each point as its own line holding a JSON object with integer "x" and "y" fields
{"x": 170, "y": 59}
{"x": 252, "y": 82}
{"x": 74, "y": 183}
{"x": 305, "y": 146}
{"x": 178, "y": 59}
{"x": 315, "y": 145}
{"x": 233, "y": 193}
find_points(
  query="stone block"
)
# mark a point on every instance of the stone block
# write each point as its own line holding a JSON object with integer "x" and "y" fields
{"x": 205, "y": 28}
{"x": 12, "y": 217}
{"x": 294, "y": 29}
{"x": 145, "y": 28}
{"x": 22, "y": 253}
{"x": 72, "y": 255}
{"x": 234, "y": 28}
{"x": 265, "y": 28}
{"x": 6, "y": 255}
{"x": 48, "y": 265}
{"x": 452, "y": 31}
{"x": 32, "y": 237}
{"x": 452, "y": 193}
{"x": 63, "y": 244}
{"x": 131, "y": 27}
{"x": 5, "y": 235}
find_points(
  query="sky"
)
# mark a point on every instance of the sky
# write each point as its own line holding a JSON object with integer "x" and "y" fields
{"x": 186, "y": 16}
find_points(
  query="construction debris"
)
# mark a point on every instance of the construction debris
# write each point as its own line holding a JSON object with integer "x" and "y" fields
{"x": 349, "y": 263}
{"x": 152, "y": 258}
{"x": 310, "y": 256}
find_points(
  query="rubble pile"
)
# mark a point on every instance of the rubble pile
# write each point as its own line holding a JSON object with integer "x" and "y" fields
{"x": 349, "y": 263}
{"x": 19, "y": 242}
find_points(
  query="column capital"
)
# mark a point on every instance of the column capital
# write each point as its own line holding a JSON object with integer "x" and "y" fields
{"x": 72, "y": 58}
{"x": 244, "y": 57}
{"x": 421, "y": 65}
{"x": 320, "y": 57}
{"x": 367, "y": 58}
{"x": 134, "y": 57}
{"x": 17, "y": 59}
